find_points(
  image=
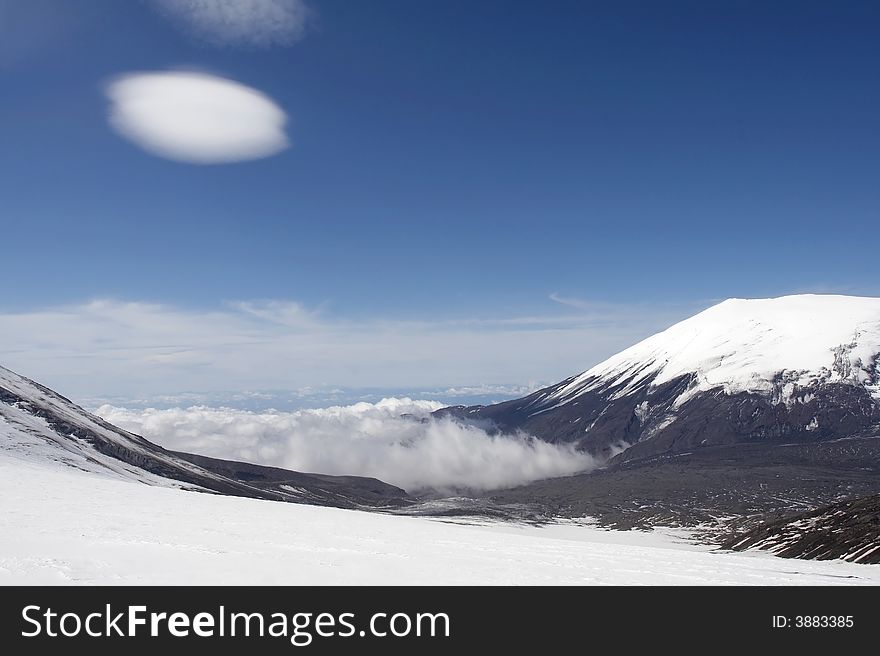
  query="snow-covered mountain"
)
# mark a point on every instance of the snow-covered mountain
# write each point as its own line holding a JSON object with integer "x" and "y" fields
{"x": 39, "y": 425}
{"x": 795, "y": 368}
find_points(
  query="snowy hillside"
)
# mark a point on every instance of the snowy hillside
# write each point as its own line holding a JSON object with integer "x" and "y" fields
{"x": 39, "y": 425}
{"x": 27, "y": 414}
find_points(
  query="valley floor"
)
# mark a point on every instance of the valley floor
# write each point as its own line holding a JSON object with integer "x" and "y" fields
{"x": 63, "y": 526}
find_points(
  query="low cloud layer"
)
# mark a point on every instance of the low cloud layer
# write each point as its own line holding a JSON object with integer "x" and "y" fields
{"x": 195, "y": 117}
{"x": 260, "y": 23}
{"x": 395, "y": 440}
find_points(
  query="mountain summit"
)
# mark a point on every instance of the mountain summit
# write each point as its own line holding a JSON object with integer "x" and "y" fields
{"x": 794, "y": 368}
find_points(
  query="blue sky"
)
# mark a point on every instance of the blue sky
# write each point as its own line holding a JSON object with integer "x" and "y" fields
{"x": 453, "y": 163}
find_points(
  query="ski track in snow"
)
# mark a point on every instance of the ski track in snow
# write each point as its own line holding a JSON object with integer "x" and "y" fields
{"x": 64, "y": 526}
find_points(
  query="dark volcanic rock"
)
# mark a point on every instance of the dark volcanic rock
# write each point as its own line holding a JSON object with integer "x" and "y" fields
{"x": 714, "y": 418}
{"x": 711, "y": 486}
{"x": 646, "y": 422}
{"x": 849, "y": 530}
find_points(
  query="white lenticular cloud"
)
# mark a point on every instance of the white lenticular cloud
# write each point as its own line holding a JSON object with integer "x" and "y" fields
{"x": 395, "y": 440}
{"x": 260, "y": 23}
{"x": 195, "y": 117}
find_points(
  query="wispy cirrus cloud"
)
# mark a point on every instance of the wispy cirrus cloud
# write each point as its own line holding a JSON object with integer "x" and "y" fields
{"x": 574, "y": 302}
{"x": 195, "y": 117}
{"x": 253, "y": 23}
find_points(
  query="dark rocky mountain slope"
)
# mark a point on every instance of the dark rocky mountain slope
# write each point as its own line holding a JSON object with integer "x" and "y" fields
{"x": 849, "y": 530}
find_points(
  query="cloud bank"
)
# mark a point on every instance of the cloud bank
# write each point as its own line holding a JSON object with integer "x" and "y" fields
{"x": 130, "y": 349}
{"x": 195, "y": 117}
{"x": 254, "y": 23}
{"x": 413, "y": 451}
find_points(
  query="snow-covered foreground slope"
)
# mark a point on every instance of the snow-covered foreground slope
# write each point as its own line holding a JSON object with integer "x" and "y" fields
{"x": 58, "y": 526}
